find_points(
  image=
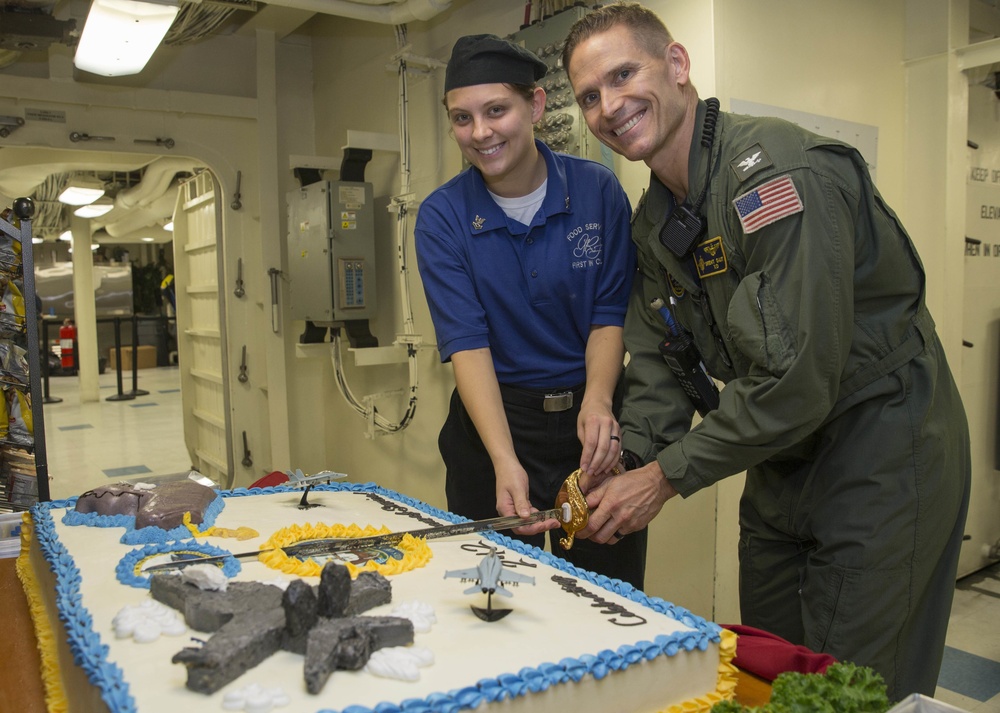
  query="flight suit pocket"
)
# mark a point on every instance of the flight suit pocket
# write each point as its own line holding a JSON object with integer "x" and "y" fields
{"x": 840, "y": 604}
{"x": 758, "y": 325}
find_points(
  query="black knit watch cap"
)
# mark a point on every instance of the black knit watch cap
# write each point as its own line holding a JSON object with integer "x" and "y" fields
{"x": 487, "y": 59}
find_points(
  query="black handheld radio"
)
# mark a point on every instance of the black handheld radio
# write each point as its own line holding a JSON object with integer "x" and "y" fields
{"x": 681, "y": 355}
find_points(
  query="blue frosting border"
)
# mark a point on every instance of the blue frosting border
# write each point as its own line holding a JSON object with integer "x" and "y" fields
{"x": 91, "y": 655}
{"x": 125, "y": 570}
{"x": 145, "y": 535}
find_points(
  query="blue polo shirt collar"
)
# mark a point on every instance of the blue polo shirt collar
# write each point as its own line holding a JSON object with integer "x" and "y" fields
{"x": 485, "y": 216}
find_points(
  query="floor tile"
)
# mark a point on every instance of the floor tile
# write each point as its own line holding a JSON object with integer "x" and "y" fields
{"x": 950, "y": 698}
{"x": 87, "y": 441}
{"x": 125, "y": 471}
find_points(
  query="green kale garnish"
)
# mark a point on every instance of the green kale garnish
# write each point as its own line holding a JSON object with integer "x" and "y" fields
{"x": 844, "y": 688}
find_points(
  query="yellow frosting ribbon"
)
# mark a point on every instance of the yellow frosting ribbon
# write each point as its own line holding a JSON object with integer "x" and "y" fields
{"x": 240, "y": 533}
{"x": 725, "y": 685}
{"x": 416, "y": 552}
{"x": 48, "y": 647}
{"x": 193, "y": 529}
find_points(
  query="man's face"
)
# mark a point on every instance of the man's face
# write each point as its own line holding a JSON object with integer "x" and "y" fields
{"x": 630, "y": 98}
{"x": 492, "y": 125}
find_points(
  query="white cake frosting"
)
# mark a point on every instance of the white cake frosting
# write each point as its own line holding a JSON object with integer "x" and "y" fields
{"x": 574, "y": 641}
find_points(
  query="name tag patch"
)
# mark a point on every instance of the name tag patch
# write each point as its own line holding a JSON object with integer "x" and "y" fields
{"x": 710, "y": 258}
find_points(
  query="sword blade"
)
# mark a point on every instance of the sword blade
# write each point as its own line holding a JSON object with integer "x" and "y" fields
{"x": 314, "y": 548}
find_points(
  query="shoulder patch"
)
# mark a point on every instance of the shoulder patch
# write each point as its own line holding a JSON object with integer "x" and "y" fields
{"x": 749, "y": 162}
{"x": 768, "y": 203}
{"x": 710, "y": 258}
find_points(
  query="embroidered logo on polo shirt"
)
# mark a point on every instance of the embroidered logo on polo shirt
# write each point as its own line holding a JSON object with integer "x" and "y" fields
{"x": 749, "y": 162}
{"x": 587, "y": 245}
{"x": 768, "y": 203}
{"x": 478, "y": 223}
{"x": 710, "y": 258}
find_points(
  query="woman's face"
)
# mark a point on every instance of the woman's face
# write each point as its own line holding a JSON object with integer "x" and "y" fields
{"x": 492, "y": 124}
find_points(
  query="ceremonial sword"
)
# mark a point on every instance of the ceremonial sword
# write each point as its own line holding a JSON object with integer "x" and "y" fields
{"x": 328, "y": 546}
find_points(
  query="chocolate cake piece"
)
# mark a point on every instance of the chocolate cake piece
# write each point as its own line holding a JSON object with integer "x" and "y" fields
{"x": 167, "y": 503}
{"x": 117, "y": 499}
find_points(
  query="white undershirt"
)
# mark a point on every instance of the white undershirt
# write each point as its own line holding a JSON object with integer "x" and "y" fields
{"x": 522, "y": 208}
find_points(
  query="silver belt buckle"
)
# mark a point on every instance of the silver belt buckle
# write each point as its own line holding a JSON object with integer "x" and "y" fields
{"x": 562, "y": 401}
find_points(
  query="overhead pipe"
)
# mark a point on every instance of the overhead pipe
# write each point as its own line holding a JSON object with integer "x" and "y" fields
{"x": 156, "y": 179}
{"x": 395, "y": 14}
{"x": 151, "y": 213}
{"x": 157, "y": 233}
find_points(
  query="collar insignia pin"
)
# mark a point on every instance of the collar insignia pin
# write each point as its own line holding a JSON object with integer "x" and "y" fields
{"x": 478, "y": 223}
{"x": 750, "y": 161}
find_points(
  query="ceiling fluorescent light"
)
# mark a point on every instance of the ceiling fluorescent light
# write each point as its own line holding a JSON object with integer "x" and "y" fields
{"x": 169, "y": 226}
{"x": 81, "y": 190}
{"x": 120, "y": 36}
{"x": 95, "y": 209}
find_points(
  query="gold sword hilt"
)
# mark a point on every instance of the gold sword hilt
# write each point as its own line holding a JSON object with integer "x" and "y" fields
{"x": 572, "y": 497}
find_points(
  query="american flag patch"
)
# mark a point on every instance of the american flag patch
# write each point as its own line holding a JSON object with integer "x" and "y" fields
{"x": 765, "y": 204}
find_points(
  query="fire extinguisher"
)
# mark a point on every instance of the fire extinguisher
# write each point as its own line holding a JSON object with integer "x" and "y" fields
{"x": 67, "y": 336}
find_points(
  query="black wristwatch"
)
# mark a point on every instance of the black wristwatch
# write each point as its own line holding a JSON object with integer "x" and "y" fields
{"x": 629, "y": 461}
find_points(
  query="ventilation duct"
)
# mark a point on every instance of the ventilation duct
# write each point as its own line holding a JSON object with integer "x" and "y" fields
{"x": 149, "y": 201}
{"x": 156, "y": 179}
{"x": 386, "y": 14}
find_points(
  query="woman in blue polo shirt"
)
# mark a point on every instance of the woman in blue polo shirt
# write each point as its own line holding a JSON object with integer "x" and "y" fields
{"x": 527, "y": 263}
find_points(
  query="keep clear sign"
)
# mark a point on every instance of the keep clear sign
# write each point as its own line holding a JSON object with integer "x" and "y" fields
{"x": 982, "y": 217}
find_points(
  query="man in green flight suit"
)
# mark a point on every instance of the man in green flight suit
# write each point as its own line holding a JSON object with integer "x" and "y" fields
{"x": 801, "y": 292}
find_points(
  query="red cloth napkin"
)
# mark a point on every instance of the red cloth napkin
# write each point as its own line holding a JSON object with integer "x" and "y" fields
{"x": 275, "y": 478}
{"x": 766, "y": 655}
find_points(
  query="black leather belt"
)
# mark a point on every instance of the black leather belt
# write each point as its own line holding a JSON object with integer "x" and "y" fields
{"x": 548, "y": 400}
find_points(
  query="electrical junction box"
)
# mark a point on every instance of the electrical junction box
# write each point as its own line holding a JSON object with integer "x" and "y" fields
{"x": 562, "y": 128}
{"x": 331, "y": 252}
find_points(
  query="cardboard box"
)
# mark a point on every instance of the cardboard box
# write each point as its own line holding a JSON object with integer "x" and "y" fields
{"x": 917, "y": 703}
{"x": 145, "y": 356}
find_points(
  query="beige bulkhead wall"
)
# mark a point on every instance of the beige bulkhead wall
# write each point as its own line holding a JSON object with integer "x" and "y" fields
{"x": 842, "y": 59}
